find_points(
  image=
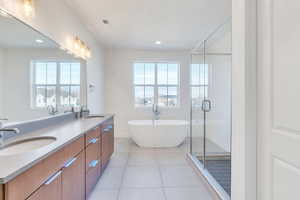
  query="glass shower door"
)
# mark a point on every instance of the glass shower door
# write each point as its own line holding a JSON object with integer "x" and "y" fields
{"x": 198, "y": 91}
{"x": 218, "y": 118}
{"x": 211, "y": 108}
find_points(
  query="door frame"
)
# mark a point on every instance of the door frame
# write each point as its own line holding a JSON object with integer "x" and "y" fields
{"x": 244, "y": 134}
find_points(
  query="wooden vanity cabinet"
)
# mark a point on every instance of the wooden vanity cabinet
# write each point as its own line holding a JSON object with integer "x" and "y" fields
{"x": 71, "y": 173}
{"x": 50, "y": 190}
{"x": 107, "y": 142}
{"x": 93, "y": 159}
{"x": 73, "y": 179}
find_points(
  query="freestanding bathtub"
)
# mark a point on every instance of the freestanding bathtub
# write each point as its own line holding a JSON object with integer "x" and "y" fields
{"x": 158, "y": 133}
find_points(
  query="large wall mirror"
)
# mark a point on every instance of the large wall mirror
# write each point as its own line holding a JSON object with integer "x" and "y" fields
{"x": 37, "y": 78}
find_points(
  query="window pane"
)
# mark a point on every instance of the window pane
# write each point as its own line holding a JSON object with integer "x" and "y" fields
{"x": 139, "y": 96}
{"x": 198, "y": 94}
{"x": 75, "y": 73}
{"x": 162, "y": 74}
{"x": 40, "y": 99}
{"x": 51, "y": 73}
{"x": 163, "y": 96}
{"x": 196, "y": 100}
{"x": 149, "y": 96}
{"x": 65, "y": 95}
{"x": 195, "y": 74}
{"x": 75, "y": 95}
{"x": 172, "y": 96}
{"x": 149, "y": 74}
{"x": 139, "y": 73}
{"x": 204, "y": 74}
{"x": 40, "y": 73}
{"x": 173, "y": 74}
{"x": 65, "y": 73}
{"x": 51, "y": 95}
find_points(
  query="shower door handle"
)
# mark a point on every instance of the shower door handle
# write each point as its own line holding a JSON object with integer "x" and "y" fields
{"x": 206, "y": 105}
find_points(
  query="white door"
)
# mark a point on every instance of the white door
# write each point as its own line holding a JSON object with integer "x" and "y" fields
{"x": 279, "y": 99}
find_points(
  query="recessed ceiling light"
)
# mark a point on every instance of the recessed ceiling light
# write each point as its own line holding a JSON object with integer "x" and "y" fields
{"x": 158, "y": 42}
{"x": 39, "y": 41}
{"x": 105, "y": 21}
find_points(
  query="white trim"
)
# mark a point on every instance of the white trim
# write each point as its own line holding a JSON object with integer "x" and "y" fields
{"x": 244, "y": 100}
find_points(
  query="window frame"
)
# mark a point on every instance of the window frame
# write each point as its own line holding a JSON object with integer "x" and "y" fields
{"x": 199, "y": 86}
{"x": 57, "y": 86}
{"x": 156, "y": 85}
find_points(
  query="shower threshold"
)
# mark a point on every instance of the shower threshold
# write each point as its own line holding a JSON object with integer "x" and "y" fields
{"x": 222, "y": 192}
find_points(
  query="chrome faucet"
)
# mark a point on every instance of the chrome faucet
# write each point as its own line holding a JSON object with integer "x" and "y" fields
{"x": 3, "y": 131}
{"x": 156, "y": 112}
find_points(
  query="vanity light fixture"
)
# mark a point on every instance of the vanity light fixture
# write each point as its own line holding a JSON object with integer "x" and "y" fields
{"x": 28, "y": 7}
{"x": 78, "y": 48}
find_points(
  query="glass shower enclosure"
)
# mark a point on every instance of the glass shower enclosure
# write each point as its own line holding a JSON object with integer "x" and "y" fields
{"x": 210, "y": 120}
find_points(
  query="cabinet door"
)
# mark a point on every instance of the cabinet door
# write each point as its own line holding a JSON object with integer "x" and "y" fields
{"x": 73, "y": 178}
{"x": 111, "y": 143}
{"x": 92, "y": 177}
{"x": 105, "y": 149}
{"x": 107, "y": 143}
{"x": 50, "y": 190}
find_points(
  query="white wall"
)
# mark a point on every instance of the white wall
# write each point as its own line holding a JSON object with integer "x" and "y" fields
{"x": 1, "y": 82}
{"x": 119, "y": 91}
{"x": 60, "y": 27}
{"x": 16, "y": 100}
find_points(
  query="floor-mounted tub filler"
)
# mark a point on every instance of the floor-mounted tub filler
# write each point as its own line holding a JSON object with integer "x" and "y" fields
{"x": 158, "y": 133}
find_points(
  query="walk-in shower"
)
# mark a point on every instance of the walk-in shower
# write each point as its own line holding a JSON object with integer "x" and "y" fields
{"x": 210, "y": 126}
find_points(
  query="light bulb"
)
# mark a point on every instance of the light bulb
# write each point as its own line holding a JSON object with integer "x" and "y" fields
{"x": 28, "y": 7}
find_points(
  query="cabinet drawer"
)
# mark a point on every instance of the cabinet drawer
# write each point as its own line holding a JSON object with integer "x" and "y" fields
{"x": 92, "y": 178}
{"x": 92, "y": 153}
{"x": 92, "y": 135}
{"x": 29, "y": 181}
{"x": 74, "y": 148}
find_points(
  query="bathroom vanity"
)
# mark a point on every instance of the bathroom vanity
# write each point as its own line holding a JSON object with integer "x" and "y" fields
{"x": 66, "y": 169}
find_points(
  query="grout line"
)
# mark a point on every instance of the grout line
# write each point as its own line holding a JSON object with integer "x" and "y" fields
{"x": 124, "y": 171}
{"x": 161, "y": 176}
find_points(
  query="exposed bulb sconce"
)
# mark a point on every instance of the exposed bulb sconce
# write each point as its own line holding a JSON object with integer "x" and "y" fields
{"x": 78, "y": 48}
{"x": 28, "y": 8}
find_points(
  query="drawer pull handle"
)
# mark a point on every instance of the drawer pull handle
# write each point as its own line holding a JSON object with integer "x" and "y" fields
{"x": 68, "y": 164}
{"x": 51, "y": 179}
{"x": 108, "y": 128}
{"x": 93, "y": 141}
{"x": 94, "y": 163}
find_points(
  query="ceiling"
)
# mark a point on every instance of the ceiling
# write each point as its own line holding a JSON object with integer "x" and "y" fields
{"x": 15, "y": 34}
{"x": 178, "y": 24}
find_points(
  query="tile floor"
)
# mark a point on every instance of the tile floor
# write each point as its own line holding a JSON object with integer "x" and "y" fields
{"x": 149, "y": 174}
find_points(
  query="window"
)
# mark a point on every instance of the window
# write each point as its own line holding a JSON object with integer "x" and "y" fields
{"x": 199, "y": 83}
{"x": 156, "y": 83}
{"x": 55, "y": 83}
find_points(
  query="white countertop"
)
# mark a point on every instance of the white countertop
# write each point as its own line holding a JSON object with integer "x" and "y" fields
{"x": 65, "y": 133}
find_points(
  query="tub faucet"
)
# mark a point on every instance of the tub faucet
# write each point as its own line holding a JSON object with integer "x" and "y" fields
{"x": 3, "y": 131}
{"x": 52, "y": 110}
{"x": 156, "y": 112}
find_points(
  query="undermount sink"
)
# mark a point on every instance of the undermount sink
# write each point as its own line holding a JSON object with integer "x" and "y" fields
{"x": 26, "y": 145}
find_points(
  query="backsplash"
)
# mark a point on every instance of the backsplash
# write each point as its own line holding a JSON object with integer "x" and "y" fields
{"x": 33, "y": 125}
